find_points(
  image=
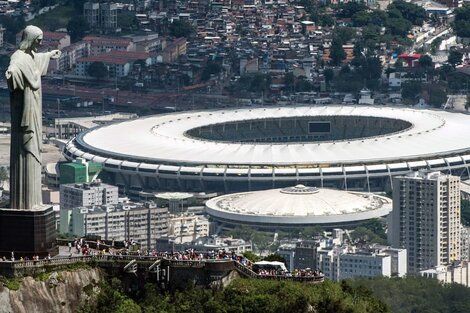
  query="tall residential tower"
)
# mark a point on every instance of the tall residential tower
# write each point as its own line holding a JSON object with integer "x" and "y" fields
{"x": 426, "y": 219}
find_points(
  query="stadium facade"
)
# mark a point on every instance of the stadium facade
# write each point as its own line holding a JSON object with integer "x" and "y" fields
{"x": 234, "y": 150}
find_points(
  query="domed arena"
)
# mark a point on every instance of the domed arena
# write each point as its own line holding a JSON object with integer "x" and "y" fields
{"x": 297, "y": 206}
{"x": 233, "y": 150}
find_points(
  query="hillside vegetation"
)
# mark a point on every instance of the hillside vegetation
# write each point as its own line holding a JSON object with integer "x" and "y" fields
{"x": 241, "y": 296}
{"x": 418, "y": 294}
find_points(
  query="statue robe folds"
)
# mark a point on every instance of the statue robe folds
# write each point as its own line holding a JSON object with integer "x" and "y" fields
{"x": 24, "y": 82}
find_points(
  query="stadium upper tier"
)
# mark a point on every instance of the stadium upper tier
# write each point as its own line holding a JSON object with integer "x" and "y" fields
{"x": 314, "y": 144}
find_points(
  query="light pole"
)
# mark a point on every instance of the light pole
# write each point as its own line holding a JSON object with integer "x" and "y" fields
{"x": 58, "y": 136}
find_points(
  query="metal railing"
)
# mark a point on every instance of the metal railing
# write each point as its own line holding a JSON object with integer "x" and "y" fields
{"x": 125, "y": 259}
{"x": 245, "y": 270}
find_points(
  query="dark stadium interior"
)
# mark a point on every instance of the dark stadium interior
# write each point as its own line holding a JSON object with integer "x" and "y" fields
{"x": 300, "y": 129}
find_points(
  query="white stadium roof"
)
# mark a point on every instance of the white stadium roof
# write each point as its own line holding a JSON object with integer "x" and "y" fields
{"x": 298, "y": 205}
{"x": 162, "y": 139}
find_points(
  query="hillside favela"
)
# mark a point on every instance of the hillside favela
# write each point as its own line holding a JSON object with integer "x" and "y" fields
{"x": 235, "y": 156}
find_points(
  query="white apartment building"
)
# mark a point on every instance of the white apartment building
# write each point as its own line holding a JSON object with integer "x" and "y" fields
{"x": 142, "y": 223}
{"x": 187, "y": 227}
{"x": 338, "y": 263}
{"x": 209, "y": 243}
{"x": 458, "y": 274}
{"x": 108, "y": 15}
{"x": 426, "y": 219}
{"x": 87, "y": 194}
{"x": 351, "y": 265}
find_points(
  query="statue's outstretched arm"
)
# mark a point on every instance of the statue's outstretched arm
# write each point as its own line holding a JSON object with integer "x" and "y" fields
{"x": 55, "y": 54}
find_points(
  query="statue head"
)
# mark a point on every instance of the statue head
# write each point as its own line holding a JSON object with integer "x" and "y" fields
{"x": 31, "y": 39}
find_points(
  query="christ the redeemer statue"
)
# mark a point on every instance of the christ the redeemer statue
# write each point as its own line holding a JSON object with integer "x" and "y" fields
{"x": 24, "y": 81}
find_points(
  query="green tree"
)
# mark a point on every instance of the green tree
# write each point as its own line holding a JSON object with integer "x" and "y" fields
{"x": 455, "y": 58}
{"x": 250, "y": 255}
{"x": 329, "y": 74}
{"x": 417, "y": 294}
{"x": 461, "y": 24}
{"x": 98, "y": 70}
{"x": 378, "y": 18}
{"x": 78, "y": 5}
{"x": 12, "y": 27}
{"x": 349, "y": 9}
{"x": 437, "y": 96}
{"x": 398, "y": 26}
{"x": 410, "y": 90}
{"x": 361, "y": 18}
{"x": 127, "y": 20}
{"x": 77, "y": 27}
{"x": 410, "y": 11}
{"x": 128, "y": 306}
{"x": 344, "y": 34}
{"x": 425, "y": 61}
{"x": 275, "y": 257}
{"x": 337, "y": 53}
{"x": 181, "y": 29}
{"x": 435, "y": 44}
{"x": 211, "y": 68}
{"x": 289, "y": 82}
{"x": 311, "y": 231}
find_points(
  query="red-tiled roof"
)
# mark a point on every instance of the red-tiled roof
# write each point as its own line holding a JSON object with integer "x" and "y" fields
{"x": 115, "y": 41}
{"x": 54, "y": 35}
{"x": 116, "y": 57}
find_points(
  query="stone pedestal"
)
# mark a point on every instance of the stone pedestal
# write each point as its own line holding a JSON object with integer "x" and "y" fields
{"x": 27, "y": 233}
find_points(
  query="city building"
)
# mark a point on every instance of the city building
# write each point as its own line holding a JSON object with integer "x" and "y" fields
{"x": 72, "y": 53}
{"x": 426, "y": 219}
{"x": 287, "y": 251}
{"x": 172, "y": 51}
{"x": 305, "y": 254}
{"x": 338, "y": 262}
{"x": 118, "y": 63}
{"x": 142, "y": 223}
{"x": 91, "y": 12}
{"x": 209, "y": 243}
{"x": 187, "y": 227}
{"x": 77, "y": 172}
{"x": 87, "y": 194}
{"x": 102, "y": 16}
{"x": 455, "y": 273}
{"x": 102, "y": 44}
{"x": 352, "y": 265}
{"x": 108, "y": 16}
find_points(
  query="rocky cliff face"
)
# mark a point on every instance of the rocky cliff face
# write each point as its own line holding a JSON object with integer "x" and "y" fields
{"x": 61, "y": 292}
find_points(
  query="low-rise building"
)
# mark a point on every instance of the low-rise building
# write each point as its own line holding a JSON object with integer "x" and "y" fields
{"x": 141, "y": 223}
{"x": 87, "y": 194}
{"x": 102, "y": 44}
{"x": 118, "y": 63}
{"x": 172, "y": 51}
{"x": 187, "y": 227}
{"x": 458, "y": 274}
{"x": 338, "y": 263}
{"x": 208, "y": 243}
